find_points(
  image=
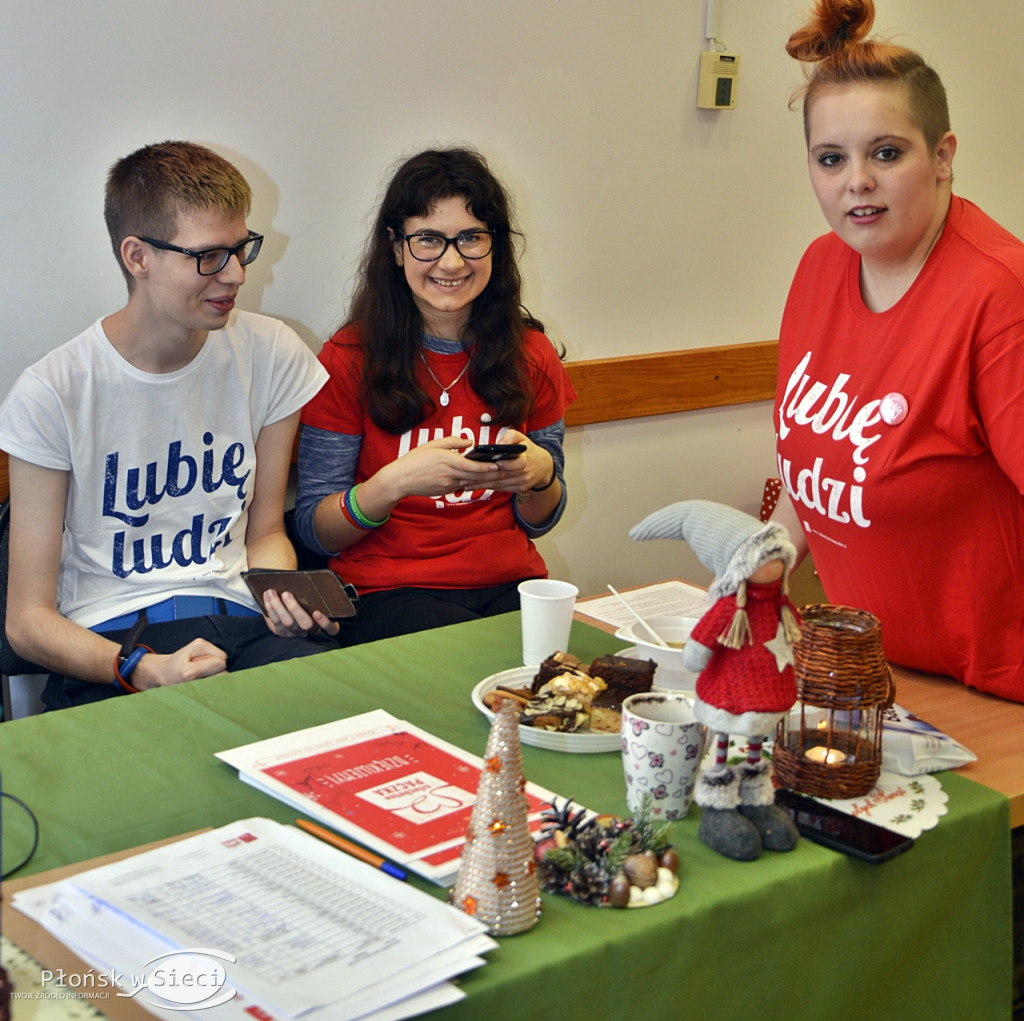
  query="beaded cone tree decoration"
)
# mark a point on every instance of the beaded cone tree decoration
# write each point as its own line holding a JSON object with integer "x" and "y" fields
{"x": 497, "y": 881}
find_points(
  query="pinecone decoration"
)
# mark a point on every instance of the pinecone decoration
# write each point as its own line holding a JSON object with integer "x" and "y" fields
{"x": 553, "y": 875}
{"x": 589, "y": 883}
{"x": 563, "y": 819}
{"x": 615, "y": 838}
{"x": 586, "y": 859}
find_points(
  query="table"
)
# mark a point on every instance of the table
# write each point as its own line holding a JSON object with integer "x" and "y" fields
{"x": 806, "y": 934}
{"x": 990, "y": 727}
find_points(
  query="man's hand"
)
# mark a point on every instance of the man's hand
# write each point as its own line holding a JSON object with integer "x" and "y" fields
{"x": 286, "y": 618}
{"x": 197, "y": 659}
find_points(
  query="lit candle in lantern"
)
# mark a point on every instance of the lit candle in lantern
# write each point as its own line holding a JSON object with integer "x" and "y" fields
{"x": 828, "y": 756}
{"x": 843, "y": 686}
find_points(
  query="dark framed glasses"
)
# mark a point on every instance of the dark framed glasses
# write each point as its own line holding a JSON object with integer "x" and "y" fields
{"x": 211, "y": 261}
{"x": 471, "y": 244}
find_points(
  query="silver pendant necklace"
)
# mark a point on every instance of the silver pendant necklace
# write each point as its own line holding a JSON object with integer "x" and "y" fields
{"x": 445, "y": 399}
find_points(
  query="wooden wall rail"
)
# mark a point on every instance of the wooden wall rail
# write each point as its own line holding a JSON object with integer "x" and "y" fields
{"x": 635, "y": 386}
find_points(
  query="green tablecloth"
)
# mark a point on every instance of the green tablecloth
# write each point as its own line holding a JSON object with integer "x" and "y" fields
{"x": 810, "y": 934}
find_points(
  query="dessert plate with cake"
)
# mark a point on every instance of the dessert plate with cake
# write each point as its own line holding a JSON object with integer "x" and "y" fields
{"x": 566, "y": 705}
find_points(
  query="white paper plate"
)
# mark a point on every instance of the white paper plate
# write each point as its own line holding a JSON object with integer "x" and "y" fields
{"x": 522, "y": 677}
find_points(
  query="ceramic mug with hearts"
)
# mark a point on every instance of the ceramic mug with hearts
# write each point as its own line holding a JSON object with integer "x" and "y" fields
{"x": 662, "y": 746}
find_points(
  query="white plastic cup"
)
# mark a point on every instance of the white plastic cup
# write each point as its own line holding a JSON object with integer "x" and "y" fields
{"x": 546, "y": 609}
{"x": 662, "y": 746}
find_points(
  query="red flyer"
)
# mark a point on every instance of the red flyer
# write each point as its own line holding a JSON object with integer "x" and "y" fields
{"x": 393, "y": 787}
{"x": 400, "y": 787}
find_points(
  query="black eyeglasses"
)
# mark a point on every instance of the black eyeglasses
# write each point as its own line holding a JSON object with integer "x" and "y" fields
{"x": 211, "y": 261}
{"x": 471, "y": 244}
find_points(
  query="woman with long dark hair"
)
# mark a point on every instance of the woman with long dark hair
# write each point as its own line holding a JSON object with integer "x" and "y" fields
{"x": 437, "y": 356}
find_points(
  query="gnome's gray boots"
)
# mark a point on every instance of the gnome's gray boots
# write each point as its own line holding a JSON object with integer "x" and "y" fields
{"x": 757, "y": 804}
{"x": 722, "y": 827}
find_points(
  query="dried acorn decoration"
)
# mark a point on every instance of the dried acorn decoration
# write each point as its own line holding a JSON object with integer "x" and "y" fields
{"x": 604, "y": 859}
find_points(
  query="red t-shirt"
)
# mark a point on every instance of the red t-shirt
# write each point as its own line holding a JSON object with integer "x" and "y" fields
{"x": 901, "y": 442}
{"x": 459, "y": 540}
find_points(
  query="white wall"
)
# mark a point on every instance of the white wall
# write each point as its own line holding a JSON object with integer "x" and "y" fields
{"x": 651, "y": 225}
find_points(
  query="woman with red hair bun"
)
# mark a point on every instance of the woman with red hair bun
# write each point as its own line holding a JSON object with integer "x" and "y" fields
{"x": 900, "y": 401}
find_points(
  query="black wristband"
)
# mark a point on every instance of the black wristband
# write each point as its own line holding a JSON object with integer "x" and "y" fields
{"x": 550, "y": 482}
{"x": 129, "y": 654}
{"x": 131, "y": 640}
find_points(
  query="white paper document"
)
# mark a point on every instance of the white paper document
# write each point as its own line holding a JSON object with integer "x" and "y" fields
{"x": 259, "y": 917}
{"x": 391, "y": 786}
{"x": 666, "y": 599}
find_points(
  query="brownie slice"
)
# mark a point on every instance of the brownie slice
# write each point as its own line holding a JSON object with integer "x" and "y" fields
{"x": 624, "y": 677}
{"x": 555, "y": 665}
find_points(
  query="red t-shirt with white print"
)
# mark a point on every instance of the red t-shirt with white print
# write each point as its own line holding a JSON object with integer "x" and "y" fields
{"x": 458, "y": 540}
{"x": 901, "y": 441}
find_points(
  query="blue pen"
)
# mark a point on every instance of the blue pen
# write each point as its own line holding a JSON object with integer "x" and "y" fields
{"x": 349, "y": 848}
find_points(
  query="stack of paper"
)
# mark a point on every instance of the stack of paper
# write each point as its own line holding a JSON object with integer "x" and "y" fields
{"x": 258, "y": 920}
{"x": 393, "y": 787}
{"x": 665, "y": 599}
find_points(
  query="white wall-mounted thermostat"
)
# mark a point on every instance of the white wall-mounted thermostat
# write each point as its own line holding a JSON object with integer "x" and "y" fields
{"x": 719, "y": 73}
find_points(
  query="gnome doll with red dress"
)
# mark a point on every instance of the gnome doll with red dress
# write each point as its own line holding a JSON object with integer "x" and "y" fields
{"x": 742, "y": 649}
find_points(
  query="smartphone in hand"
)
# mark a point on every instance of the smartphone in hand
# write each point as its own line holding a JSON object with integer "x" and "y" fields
{"x": 319, "y": 590}
{"x": 495, "y": 451}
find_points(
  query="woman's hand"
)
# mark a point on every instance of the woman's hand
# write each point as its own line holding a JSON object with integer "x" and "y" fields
{"x": 287, "y": 619}
{"x": 433, "y": 469}
{"x": 530, "y": 469}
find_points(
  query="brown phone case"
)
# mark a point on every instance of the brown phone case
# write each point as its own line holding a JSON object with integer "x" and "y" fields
{"x": 315, "y": 590}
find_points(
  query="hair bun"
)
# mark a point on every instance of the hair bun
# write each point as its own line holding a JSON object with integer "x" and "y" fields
{"x": 834, "y": 25}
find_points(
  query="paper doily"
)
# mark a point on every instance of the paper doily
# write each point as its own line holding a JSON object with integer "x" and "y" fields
{"x": 908, "y": 804}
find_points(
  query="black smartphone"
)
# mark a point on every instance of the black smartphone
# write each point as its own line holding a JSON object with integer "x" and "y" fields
{"x": 841, "y": 832}
{"x": 495, "y": 451}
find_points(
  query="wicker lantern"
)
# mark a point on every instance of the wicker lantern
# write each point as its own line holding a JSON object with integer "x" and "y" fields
{"x": 830, "y": 745}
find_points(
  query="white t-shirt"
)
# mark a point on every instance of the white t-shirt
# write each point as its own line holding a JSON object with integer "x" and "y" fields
{"x": 162, "y": 466}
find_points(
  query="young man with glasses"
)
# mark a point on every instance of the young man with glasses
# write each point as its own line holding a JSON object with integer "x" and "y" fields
{"x": 136, "y": 503}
